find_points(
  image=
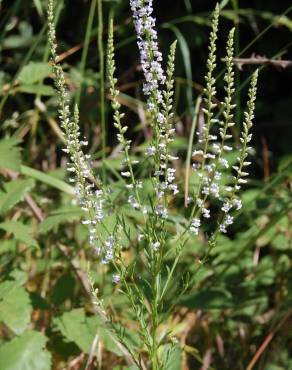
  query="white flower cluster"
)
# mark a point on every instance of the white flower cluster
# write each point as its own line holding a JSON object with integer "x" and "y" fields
{"x": 159, "y": 90}
{"x": 151, "y": 57}
{"x": 209, "y": 157}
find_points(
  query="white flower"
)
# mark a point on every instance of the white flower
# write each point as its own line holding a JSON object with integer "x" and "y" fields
{"x": 206, "y": 212}
{"x": 151, "y": 150}
{"x": 126, "y": 174}
{"x": 116, "y": 278}
{"x": 155, "y": 246}
{"x": 141, "y": 237}
{"x": 226, "y": 207}
{"x": 196, "y": 223}
{"x": 222, "y": 228}
{"x": 229, "y": 220}
{"x": 217, "y": 175}
{"x": 224, "y": 162}
{"x": 237, "y": 203}
{"x": 160, "y": 210}
{"x": 133, "y": 202}
{"x": 214, "y": 189}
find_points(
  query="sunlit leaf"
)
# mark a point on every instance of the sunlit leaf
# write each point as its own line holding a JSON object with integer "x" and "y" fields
{"x": 21, "y": 232}
{"x": 10, "y": 154}
{"x": 26, "y": 352}
{"x": 15, "y": 306}
{"x": 13, "y": 193}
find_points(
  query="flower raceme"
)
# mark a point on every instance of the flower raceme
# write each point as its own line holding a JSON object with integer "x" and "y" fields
{"x": 210, "y": 161}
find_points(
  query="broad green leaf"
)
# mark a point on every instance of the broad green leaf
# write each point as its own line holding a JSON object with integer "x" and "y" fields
{"x": 20, "y": 231}
{"x": 80, "y": 329}
{"x": 15, "y": 306}
{"x": 34, "y": 72}
{"x": 10, "y": 154}
{"x": 77, "y": 328}
{"x": 26, "y": 352}
{"x": 172, "y": 357}
{"x": 13, "y": 193}
{"x": 8, "y": 245}
{"x": 62, "y": 215}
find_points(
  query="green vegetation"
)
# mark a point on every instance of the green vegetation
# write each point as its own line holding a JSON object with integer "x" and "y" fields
{"x": 156, "y": 283}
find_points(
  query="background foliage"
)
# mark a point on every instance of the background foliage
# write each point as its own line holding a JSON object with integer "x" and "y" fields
{"x": 238, "y": 314}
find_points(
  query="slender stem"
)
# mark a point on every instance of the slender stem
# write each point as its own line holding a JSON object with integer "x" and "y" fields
{"x": 190, "y": 147}
{"x": 102, "y": 85}
{"x": 85, "y": 48}
{"x": 154, "y": 313}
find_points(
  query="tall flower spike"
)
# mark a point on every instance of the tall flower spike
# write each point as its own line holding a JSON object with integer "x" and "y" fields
{"x": 210, "y": 90}
{"x": 159, "y": 91}
{"x": 92, "y": 202}
{"x": 241, "y": 173}
{"x": 214, "y": 177}
{"x": 204, "y": 136}
{"x": 150, "y": 55}
{"x": 134, "y": 200}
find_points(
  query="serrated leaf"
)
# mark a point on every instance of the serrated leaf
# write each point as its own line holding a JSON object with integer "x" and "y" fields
{"x": 25, "y": 353}
{"x": 77, "y": 328}
{"x": 20, "y": 231}
{"x": 13, "y": 193}
{"x": 10, "y": 154}
{"x": 15, "y": 306}
{"x": 172, "y": 357}
{"x": 80, "y": 329}
{"x": 34, "y": 72}
{"x": 62, "y": 215}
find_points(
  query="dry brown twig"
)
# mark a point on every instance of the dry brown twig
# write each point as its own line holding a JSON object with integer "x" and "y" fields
{"x": 261, "y": 60}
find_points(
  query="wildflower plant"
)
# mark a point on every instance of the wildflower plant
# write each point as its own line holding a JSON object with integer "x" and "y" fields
{"x": 159, "y": 235}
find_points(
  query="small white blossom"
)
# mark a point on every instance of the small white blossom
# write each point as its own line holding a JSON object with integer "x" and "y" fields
{"x": 224, "y": 162}
{"x": 226, "y": 207}
{"x": 206, "y": 212}
{"x": 151, "y": 151}
{"x": 237, "y": 203}
{"x": 116, "y": 278}
{"x": 155, "y": 246}
{"x": 126, "y": 174}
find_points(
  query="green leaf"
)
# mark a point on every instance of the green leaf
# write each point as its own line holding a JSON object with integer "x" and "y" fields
{"x": 20, "y": 231}
{"x": 10, "y": 154}
{"x": 37, "y": 89}
{"x": 8, "y": 245}
{"x": 13, "y": 193}
{"x": 62, "y": 215}
{"x": 47, "y": 179}
{"x": 208, "y": 300}
{"x": 77, "y": 328}
{"x": 171, "y": 356}
{"x": 80, "y": 329}
{"x": 63, "y": 289}
{"x": 15, "y": 306}
{"x": 25, "y": 353}
{"x": 34, "y": 72}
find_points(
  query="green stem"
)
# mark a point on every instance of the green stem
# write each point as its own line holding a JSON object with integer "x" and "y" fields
{"x": 102, "y": 84}
{"x": 85, "y": 48}
{"x": 154, "y": 318}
